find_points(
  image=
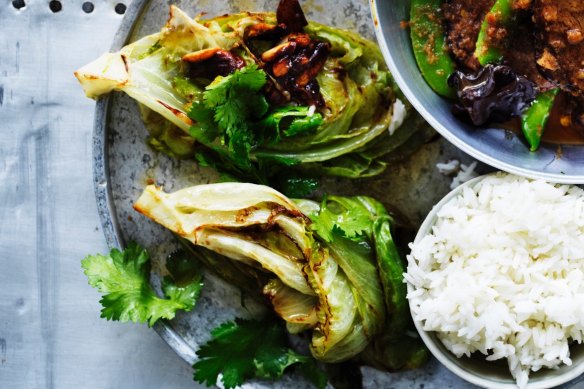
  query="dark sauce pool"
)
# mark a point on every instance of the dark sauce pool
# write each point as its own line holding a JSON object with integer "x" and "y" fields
{"x": 561, "y": 128}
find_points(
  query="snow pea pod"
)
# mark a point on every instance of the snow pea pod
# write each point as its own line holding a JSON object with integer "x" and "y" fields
{"x": 429, "y": 45}
{"x": 500, "y": 14}
{"x": 535, "y": 118}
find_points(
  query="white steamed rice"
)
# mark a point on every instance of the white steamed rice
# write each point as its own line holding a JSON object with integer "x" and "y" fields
{"x": 463, "y": 172}
{"x": 502, "y": 273}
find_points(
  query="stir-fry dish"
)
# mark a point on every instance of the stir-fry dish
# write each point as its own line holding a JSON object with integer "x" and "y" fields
{"x": 262, "y": 93}
{"x": 331, "y": 268}
{"x": 272, "y": 101}
{"x": 515, "y": 62}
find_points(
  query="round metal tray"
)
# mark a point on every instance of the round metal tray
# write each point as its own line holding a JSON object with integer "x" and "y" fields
{"x": 124, "y": 164}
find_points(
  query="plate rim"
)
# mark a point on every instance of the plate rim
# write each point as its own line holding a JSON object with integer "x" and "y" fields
{"x": 101, "y": 178}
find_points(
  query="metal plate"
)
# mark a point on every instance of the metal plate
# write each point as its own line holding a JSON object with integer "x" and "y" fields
{"x": 123, "y": 164}
{"x": 502, "y": 149}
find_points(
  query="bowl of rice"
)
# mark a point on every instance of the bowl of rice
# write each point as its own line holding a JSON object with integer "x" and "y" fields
{"x": 496, "y": 282}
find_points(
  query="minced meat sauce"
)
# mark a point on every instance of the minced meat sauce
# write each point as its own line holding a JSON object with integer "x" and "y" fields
{"x": 560, "y": 41}
{"x": 463, "y": 22}
{"x": 545, "y": 44}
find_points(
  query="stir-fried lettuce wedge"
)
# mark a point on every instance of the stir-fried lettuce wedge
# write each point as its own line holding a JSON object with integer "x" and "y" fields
{"x": 123, "y": 278}
{"x": 347, "y": 224}
{"x": 393, "y": 349}
{"x": 362, "y": 104}
{"x": 329, "y": 285}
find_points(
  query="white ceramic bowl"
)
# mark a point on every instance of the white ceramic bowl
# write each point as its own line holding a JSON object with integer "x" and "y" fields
{"x": 476, "y": 369}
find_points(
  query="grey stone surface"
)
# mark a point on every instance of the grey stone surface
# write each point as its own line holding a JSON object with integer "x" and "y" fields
{"x": 51, "y": 335}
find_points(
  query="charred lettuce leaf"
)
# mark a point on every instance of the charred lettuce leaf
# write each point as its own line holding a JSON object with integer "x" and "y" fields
{"x": 330, "y": 268}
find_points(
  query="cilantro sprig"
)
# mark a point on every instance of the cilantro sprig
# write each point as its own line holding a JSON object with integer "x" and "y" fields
{"x": 245, "y": 349}
{"x": 230, "y": 104}
{"x": 123, "y": 278}
{"x": 335, "y": 218}
{"x": 235, "y": 111}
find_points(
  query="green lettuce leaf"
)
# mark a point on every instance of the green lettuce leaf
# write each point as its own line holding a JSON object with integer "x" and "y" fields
{"x": 288, "y": 121}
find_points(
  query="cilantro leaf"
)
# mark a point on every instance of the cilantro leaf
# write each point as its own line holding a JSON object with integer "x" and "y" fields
{"x": 248, "y": 79}
{"x": 239, "y": 143}
{"x": 334, "y": 218}
{"x": 245, "y": 349}
{"x": 123, "y": 278}
{"x": 204, "y": 128}
{"x": 234, "y": 109}
{"x": 230, "y": 105}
